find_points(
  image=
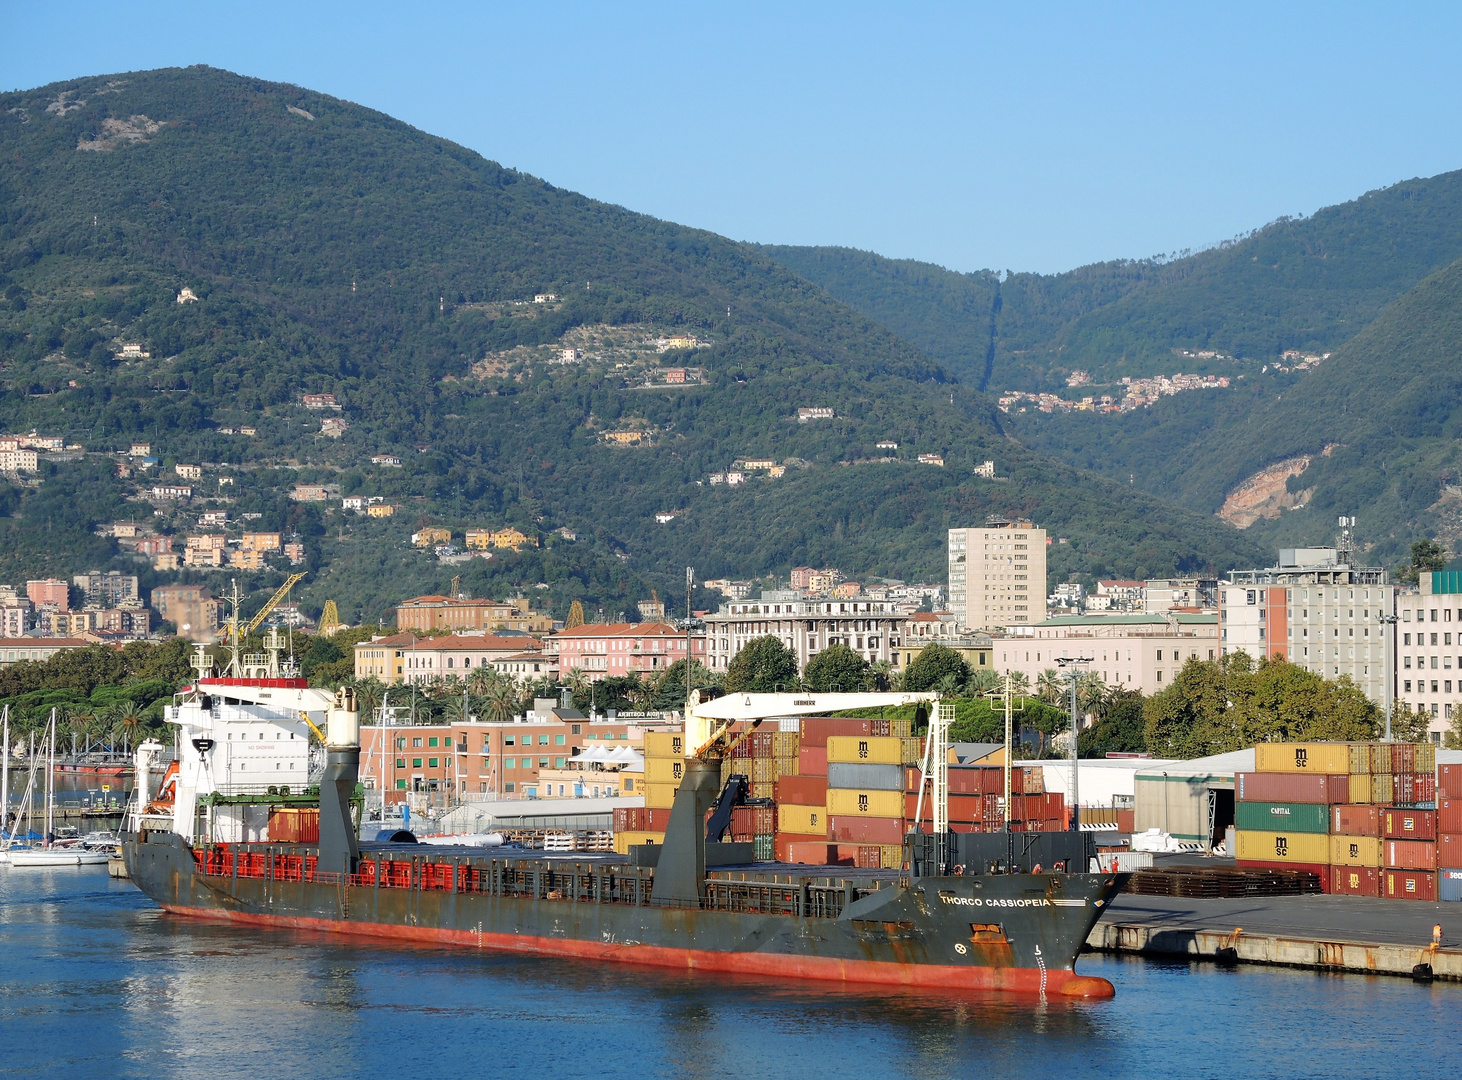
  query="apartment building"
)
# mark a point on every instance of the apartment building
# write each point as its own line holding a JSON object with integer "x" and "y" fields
{"x": 872, "y": 628}
{"x": 1135, "y": 651}
{"x": 1427, "y": 644}
{"x": 406, "y": 658}
{"x": 997, "y": 574}
{"x": 422, "y": 613}
{"x": 107, "y": 590}
{"x": 482, "y": 758}
{"x": 1316, "y": 610}
{"x": 604, "y": 650}
{"x": 191, "y": 608}
{"x": 15, "y": 650}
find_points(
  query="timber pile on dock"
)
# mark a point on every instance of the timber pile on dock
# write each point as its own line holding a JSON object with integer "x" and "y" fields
{"x": 1221, "y": 882}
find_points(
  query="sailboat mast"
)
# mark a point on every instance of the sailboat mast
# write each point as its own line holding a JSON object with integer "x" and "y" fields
{"x": 5, "y": 782}
{"x": 51, "y": 782}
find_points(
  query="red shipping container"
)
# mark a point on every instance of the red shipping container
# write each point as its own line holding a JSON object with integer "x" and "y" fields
{"x": 1403, "y": 757}
{"x": 811, "y": 853}
{"x": 812, "y": 761}
{"x": 1355, "y": 821}
{"x": 1409, "y": 884}
{"x": 961, "y": 807}
{"x": 1355, "y": 881}
{"x": 978, "y": 780}
{"x": 866, "y": 830}
{"x": 1126, "y": 821}
{"x": 1291, "y": 787}
{"x": 1449, "y": 781}
{"x": 784, "y": 843}
{"x": 1409, "y": 854}
{"x": 1408, "y": 789}
{"x": 870, "y": 857}
{"x": 1426, "y": 788}
{"x": 657, "y": 820}
{"x": 816, "y": 729}
{"x": 802, "y": 790}
{"x": 1320, "y": 870}
{"x": 1449, "y": 849}
{"x": 1399, "y": 824}
{"x": 1449, "y": 816}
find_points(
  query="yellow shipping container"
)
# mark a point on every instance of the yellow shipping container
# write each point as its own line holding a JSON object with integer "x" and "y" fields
{"x": 785, "y": 744}
{"x": 913, "y": 751}
{"x": 806, "y": 820}
{"x": 763, "y": 770}
{"x": 1356, "y": 850}
{"x": 1426, "y": 757}
{"x": 664, "y": 744}
{"x": 890, "y": 856}
{"x": 1302, "y": 758}
{"x": 1380, "y": 758}
{"x": 1360, "y": 788}
{"x": 664, "y": 771}
{"x": 1382, "y": 788}
{"x": 900, "y": 729}
{"x": 660, "y": 796}
{"x": 764, "y": 791}
{"x": 1360, "y": 758}
{"x": 1282, "y": 847}
{"x": 623, "y": 841}
{"x": 847, "y": 801}
{"x": 869, "y": 749}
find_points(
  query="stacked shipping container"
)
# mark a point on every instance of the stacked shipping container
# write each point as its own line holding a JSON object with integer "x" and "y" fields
{"x": 1358, "y": 815}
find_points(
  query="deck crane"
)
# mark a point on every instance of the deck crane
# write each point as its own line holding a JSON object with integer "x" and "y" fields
{"x": 236, "y": 635}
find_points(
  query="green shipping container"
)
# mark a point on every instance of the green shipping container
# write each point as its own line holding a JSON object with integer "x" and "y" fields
{"x": 764, "y": 848}
{"x": 1281, "y": 817}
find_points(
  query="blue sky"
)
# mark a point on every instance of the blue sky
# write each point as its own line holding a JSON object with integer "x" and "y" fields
{"x": 1009, "y": 137}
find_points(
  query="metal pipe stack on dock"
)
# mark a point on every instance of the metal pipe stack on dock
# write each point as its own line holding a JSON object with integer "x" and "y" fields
{"x": 1362, "y": 817}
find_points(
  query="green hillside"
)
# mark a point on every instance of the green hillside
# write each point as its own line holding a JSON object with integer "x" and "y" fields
{"x": 1298, "y": 283}
{"x": 332, "y": 249}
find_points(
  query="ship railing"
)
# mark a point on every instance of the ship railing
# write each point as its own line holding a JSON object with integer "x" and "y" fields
{"x": 529, "y": 880}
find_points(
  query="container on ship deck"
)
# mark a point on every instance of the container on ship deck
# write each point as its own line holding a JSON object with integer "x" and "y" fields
{"x": 812, "y": 761}
{"x": 808, "y": 852}
{"x": 817, "y": 729}
{"x": 660, "y": 796}
{"x": 664, "y": 744}
{"x": 1297, "y": 817}
{"x": 1409, "y": 884}
{"x": 808, "y": 820}
{"x": 1355, "y": 881}
{"x": 1449, "y": 884}
{"x": 1406, "y": 824}
{"x": 623, "y": 841}
{"x": 865, "y": 830}
{"x": 1355, "y": 820}
{"x": 843, "y": 774}
{"x": 1282, "y": 847}
{"x": 664, "y": 771}
{"x": 802, "y": 790}
{"x": 1410, "y": 854}
{"x": 782, "y": 845}
{"x": 978, "y": 780}
{"x": 1303, "y": 758}
{"x": 294, "y": 825}
{"x": 1449, "y": 781}
{"x": 870, "y": 750}
{"x": 1355, "y": 851}
{"x": 1320, "y": 870}
{"x": 863, "y": 803}
{"x": 764, "y": 847}
{"x": 1325, "y": 788}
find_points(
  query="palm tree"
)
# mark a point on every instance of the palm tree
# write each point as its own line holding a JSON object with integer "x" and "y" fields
{"x": 885, "y": 677}
{"x": 983, "y": 681}
{"x": 500, "y": 702}
{"x": 1049, "y": 688}
{"x": 1091, "y": 692}
{"x": 129, "y": 717}
{"x": 1019, "y": 682}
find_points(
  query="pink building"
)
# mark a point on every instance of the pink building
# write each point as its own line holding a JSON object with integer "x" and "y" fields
{"x": 1134, "y": 652}
{"x": 50, "y": 594}
{"x": 601, "y": 650}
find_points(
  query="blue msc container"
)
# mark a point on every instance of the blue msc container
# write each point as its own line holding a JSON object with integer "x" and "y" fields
{"x": 1449, "y": 885}
{"x": 861, "y": 776}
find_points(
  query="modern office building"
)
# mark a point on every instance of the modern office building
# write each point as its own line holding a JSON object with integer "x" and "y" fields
{"x": 997, "y": 575}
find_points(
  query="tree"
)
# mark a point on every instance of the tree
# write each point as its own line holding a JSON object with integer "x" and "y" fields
{"x": 1409, "y": 726}
{"x": 982, "y": 681}
{"x": 500, "y": 702}
{"x": 1049, "y": 686}
{"x": 837, "y": 668}
{"x": 933, "y": 664}
{"x": 1427, "y": 556}
{"x": 670, "y": 688}
{"x": 1118, "y": 728}
{"x": 762, "y": 666}
{"x": 576, "y": 616}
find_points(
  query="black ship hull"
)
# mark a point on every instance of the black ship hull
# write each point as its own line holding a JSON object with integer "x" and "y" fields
{"x": 1011, "y": 932}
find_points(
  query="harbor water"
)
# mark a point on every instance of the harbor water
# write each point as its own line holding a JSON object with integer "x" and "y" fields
{"x": 98, "y": 982}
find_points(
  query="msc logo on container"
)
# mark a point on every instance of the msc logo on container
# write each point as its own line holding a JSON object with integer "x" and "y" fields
{"x": 862, "y": 803}
{"x": 862, "y": 750}
{"x": 1301, "y": 758}
{"x": 1355, "y": 854}
{"x": 675, "y": 769}
{"x": 1281, "y": 846}
{"x": 676, "y": 747}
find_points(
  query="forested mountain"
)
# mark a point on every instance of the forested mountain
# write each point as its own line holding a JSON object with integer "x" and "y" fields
{"x": 260, "y": 241}
{"x": 1307, "y": 284}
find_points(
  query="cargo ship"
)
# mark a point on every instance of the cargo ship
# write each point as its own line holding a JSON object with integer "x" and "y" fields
{"x": 963, "y": 912}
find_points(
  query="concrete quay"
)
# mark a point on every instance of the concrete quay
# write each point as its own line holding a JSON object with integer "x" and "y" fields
{"x": 1327, "y": 933}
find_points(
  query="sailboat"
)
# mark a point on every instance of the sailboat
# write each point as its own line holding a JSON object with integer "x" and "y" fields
{"x": 51, "y": 854}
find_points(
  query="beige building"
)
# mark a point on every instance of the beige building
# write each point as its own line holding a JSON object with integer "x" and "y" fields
{"x": 1427, "y": 648}
{"x": 997, "y": 575}
{"x": 406, "y": 658}
{"x": 872, "y": 628}
{"x": 1134, "y": 652}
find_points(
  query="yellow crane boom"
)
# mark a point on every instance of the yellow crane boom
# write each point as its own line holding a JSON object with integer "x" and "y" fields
{"x": 274, "y": 601}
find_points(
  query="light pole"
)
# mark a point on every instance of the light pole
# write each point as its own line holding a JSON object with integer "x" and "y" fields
{"x": 1389, "y": 622}
{"x": 1063, "y": 662}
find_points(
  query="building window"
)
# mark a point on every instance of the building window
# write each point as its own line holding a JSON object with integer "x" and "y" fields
{"x": 401, "y": 785}
{"x": 559, "y": 740}
{"x": 432, "y": 741}
{"x": 400, "y": 763}
{"x": 416, "y": 743}
{"x": 431, "y": 763}
{"x": 416, "y": 763}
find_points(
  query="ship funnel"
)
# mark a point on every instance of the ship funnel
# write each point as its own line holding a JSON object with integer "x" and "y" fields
{"x": 339, "y": 850}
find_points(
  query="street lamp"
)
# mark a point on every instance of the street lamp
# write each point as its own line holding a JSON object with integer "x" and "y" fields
{"x": 1063, "y": 662}
{"x": 1389, "y": 621}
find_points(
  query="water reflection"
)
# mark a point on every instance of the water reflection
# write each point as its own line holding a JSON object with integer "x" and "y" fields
{"x": 98, "y": 981}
